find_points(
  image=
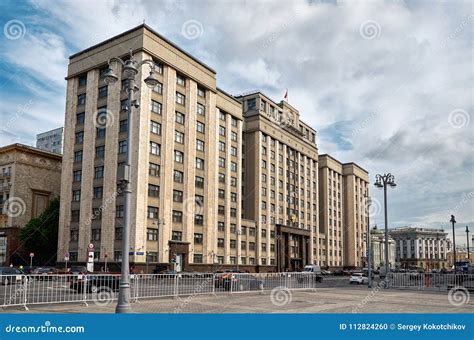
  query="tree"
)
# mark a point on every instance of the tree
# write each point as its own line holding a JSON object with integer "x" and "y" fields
{"x": 40, "y": 235}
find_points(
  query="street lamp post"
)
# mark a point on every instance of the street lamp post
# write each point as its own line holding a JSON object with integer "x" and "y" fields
{"x": 467, "y": 243}
{"x": 369, "y": 241}
{"x": 382, "y": 181}
{"x": 453, "y": 221}
{"x": 129, "y": 70}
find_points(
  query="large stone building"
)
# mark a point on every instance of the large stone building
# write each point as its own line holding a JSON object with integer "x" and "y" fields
{"x": 51, "y": 140}
{"x": 217, "y": 180}
{"x": 421, "y": 247}
{"x": 343, "y": 188}
{"x": 377, "y": 237}
{"x": 29, "y": 179}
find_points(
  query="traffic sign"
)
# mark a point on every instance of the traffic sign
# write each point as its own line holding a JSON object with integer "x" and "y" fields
{"x": 32, "y": 254}
{"x": 66, "y": 258}
{"x": 66, "y": 254}
{"x": 91, "y": 246}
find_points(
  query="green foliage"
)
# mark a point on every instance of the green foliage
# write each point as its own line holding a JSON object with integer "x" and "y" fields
{"x": 40, "y": 235}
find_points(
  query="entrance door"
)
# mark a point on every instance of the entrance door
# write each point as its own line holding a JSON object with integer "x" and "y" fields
{"x": 179, "y": 262}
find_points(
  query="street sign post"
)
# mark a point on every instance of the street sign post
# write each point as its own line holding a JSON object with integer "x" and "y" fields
{"x": 31, "y": 260}
{"x": 90, "y": 258}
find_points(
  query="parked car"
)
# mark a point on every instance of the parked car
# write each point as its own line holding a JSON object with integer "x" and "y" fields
{"x": 95, "y": 283}
{"x": 326, "y": 272}
{"x": 10, "y": 275}
{"x": 43, "y": 273}
{"x": 358, "y": 278}
{"x": 76, "y": 270}
{"x": 312, "y": 269}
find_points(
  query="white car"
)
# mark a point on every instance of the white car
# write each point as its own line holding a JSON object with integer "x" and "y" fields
{"x": 359, "y": 278}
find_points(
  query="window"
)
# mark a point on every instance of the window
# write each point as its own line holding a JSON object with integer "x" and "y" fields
{"x": 76, "y": 195}
{"x": 155, "y": 127}
{"x": 179, "y": 137}
{"x": 100, "y": 132}
{"x": 80, "y": 118}
{"x": 233, "y": 244}
{"x": 153, "y": 190}
{"x": 201, "y": 91}
{"x": 74, "y": 235}
{"x": 154, "y": 169}
{"x": 251, "y": 104}
{"x": 79, "y": 137}
{"x": 221, "y": 210}
{"x": 197, "y": 258}
{"x": 83, "y": 80}
{"x": 177, "y": 196}
{"x": 177, "y": 216}
{"x": 98, "y": 191}
{"x": 198, "y": 238}
{"x": 100, "y": 152}
{"x": 119, "y": 211}
{"x": 251, "y": 245}
{"x": 152, "y": 212}
{"x": 199, "y": 182}
{"x": 222, "y": 146}
{"x": 180, "y": 98}
{"x": 221, "y": 194}
{"x": 233, "y": 136}
{"x": 220, "y": 226}
{"x": 233, "y": 151}
{"x": 178, "y": 156}
{"x": 200, "y": 127}
{"x": 77, "y": 176}
{"x": 233, "y": 212}
{"x": 95, "y": 237}
{"x": 176, "y": 236}
{"x": 221, "y": 162}
{"x": 156, "y": 107}
{"x": 123, "y": 125}
{"x": 123, "y": 146}
{"x": 155, "y": 148}
{"x": 222, "y": 115}
{"x": 220, "y": 242}
{"x": 234, "y": 122}
{"x": 221, "y": 130}
{"x": 200, "y": 163}
{"x": 81, "y": 99}
{"x": 98, "y": 172}
{"x": 179, "y": 118}
{"x": 233, "y": 228}
{"x": 199, "y": 220}
{"x": 233, "y": 166}
{"x": 77, "y": 156}
{"x": 201, "y": 109}
{"x": 233, "y": 181}
{"x": 178, "y": 176}
{"x": 199, "y": 145}
{"x": 158, "y": 88}
{"x": 152, "y": 234}
{"x": 103, "y": 91}
{"x": 233, "y": 197}
{"x": 221, "y": 178}
{"x": 180, "y": 80}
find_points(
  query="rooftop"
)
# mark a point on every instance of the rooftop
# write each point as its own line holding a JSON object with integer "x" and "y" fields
{"x": 29, "y": 149}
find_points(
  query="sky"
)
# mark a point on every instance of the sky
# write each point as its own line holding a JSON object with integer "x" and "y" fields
{"x": 386, "y": 84}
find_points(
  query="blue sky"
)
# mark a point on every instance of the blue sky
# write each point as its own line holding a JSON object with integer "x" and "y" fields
{"x": 387, "y": 84}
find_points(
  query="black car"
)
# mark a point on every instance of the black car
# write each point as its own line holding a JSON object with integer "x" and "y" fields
{"x": 95, "y": 283}
{"x": 10, "y": 275}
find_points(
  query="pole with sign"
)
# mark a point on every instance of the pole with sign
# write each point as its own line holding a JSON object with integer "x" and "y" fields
{"x": 105, "y": 258}
{"x": 31, "y": 260}
{"x": 66, "y": 258}
{"x": 90, "y": 258}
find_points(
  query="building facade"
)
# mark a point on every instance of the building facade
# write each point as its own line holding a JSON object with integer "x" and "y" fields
{"x": 51, "y": 141}
{"x": 377, "y": 237}
{"x": 217, "y": 181}
{"x": 28, "y": 181}
{"x": 343, "y": 188}
{"x": 421, "y": 247}
{"x": 280, "y": 182}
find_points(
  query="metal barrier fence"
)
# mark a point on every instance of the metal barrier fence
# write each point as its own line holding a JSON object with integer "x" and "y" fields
{"x": 24, "y": 290}
{"x": 422, "y": 281}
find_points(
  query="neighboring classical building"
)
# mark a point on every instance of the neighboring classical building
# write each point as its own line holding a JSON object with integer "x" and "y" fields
{"x": 420, "y": 247}
{"x": 342, "y": 219}
{"x": 461, "y": 255}
{"x": 29, "y": 179}
{"x": 51, "y": 140}
{"x": 280, "y": 182}
{"x": 377, "y": 237}
{"x": 217, "y": 181}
